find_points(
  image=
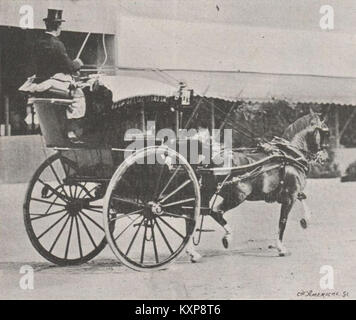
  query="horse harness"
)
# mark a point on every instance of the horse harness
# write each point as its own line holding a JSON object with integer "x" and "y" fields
{"x": 280, "y": 152}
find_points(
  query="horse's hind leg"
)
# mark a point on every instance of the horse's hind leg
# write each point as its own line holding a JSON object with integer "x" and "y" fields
{"x": 219, "y": 218}
{"x": 217, "y": 213}
{"x": 285, "y": 209}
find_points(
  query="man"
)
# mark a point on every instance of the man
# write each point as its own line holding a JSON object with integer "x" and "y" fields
{"x": 51, "y": 59}
{"x": 50, "y": 54}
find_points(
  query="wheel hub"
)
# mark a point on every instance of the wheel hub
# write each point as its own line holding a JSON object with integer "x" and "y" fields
{"x": 74, "y": 208}
{"x": 156, "y": 208}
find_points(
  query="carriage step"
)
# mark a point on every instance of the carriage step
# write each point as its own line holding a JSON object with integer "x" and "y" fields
{"x": 205, "y": 230}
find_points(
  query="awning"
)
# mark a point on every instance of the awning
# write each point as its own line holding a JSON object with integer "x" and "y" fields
{"x": 255, "y": 87}
{"x": 136, "y": 88}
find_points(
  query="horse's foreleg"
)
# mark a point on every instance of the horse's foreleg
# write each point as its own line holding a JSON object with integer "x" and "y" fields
{"x": 194, "y": 255}
{"x": 285, "y": 209}
{"x": 306, "y": 211}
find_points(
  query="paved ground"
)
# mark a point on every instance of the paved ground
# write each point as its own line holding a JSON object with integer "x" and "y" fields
{"x": 249, "y": 270}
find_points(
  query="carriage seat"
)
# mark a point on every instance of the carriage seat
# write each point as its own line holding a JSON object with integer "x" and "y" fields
{"x": 77, "y": 115}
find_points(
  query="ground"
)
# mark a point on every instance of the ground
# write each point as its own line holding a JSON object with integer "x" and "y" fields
{"x": 247, "y": 270}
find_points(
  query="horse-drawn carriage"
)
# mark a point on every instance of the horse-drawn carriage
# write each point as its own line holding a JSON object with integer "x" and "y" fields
{"x": 148, "y": 203}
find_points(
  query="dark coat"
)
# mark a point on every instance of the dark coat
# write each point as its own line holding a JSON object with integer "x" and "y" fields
{"x": 51, "y": 57}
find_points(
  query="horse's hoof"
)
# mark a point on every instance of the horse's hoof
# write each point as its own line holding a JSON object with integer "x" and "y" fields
{"x": 225, "y": 243}
{"x": 284, "y": 254}
{"x": 195, "y": 258}
{"x": 226, "y": 240}
{"x": 303, "y": 223}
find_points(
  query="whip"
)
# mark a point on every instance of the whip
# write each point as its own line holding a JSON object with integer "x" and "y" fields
{"x": 83, "y": 45}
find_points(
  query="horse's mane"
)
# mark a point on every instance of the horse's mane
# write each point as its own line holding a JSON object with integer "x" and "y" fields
{"x": 298, "y": 126}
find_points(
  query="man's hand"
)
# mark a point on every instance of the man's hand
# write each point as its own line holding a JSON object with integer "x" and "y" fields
{"x": 79, "y": 62}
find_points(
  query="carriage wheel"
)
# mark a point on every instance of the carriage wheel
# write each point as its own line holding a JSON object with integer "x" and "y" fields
{"x": 152, "y": 208}
{"x": 63, "y": 220}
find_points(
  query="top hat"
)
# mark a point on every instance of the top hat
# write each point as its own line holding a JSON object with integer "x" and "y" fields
{"x": 54, "y": 15}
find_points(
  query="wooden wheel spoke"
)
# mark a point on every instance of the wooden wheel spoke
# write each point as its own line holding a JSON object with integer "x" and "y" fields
{"x": 48, "y": 202}
{"x": 70, "y": 192}
{"x": 59, "y": 235}
{"x": 78, "y": 237}
{"x": 66, "y": 171}
{"x": 87, "y": 193}
{"x": 91, "y": 190}
{"x": 87, "y": 230}
{"x": 126, "y": 215}
{"x": 154, "y": 242}
{"x": 143, "y": 244}
{"x": 158, "y": 182}
{"x": 170, "y": 227}
{"x": 41, "y": 216}
{"x": 82, "y": 189}
{"x": 134, "y": 237}
{"x": 123, "y": 231}
{"x": 177, "y": 202}
{"x": 176, "y": 190}
{"x": 164, "y": 237}
{"x": 116, "y": 198}
{"x": 52, "y": 226}
{"x": 50, "y": 207}
{"x": 166, "y": 213}
{"x": 69, "y": 237}
{"x": 169, "y": 182}
{"x": 92, "y": 220}
{"x": 75, "y": 191}
{"x": 57, "y": 178}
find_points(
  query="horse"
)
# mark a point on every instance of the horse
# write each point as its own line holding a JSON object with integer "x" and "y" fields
{"x": 275, "y": 181}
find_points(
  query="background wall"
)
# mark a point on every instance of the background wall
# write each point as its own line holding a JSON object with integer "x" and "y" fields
{"x": 20, "y": 157}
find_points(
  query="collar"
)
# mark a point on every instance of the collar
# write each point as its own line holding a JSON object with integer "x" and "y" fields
{"x": 51, "y": 33}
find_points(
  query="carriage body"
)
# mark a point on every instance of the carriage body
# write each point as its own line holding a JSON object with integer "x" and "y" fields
{"x": 146, "y": 203}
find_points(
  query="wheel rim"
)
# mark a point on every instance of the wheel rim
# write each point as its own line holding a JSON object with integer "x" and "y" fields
{"x": 63, "y": 220}
{"x": 152, "y": 209}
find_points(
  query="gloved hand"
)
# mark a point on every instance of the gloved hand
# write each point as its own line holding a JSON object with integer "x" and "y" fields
{"x": 80, "y": 62}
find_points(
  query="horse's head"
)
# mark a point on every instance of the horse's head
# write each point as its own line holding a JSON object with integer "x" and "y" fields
{"x": 317, "y": 137}
{"x": 309, "y": 134}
